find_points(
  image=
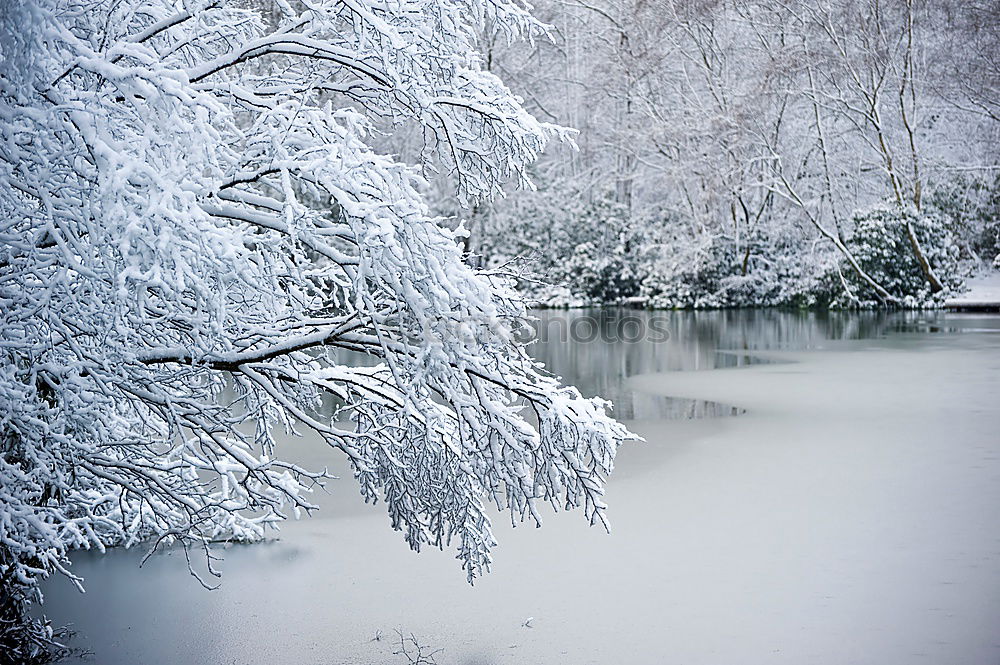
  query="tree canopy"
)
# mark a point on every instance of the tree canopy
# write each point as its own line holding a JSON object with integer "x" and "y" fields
{"x": 196, "y": 231}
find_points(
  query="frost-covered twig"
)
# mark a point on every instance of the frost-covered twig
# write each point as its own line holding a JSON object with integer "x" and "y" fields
{"x": 414, "y": 652}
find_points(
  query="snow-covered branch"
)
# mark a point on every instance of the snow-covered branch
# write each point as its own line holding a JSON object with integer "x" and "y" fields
{"x": 196, "y": 229}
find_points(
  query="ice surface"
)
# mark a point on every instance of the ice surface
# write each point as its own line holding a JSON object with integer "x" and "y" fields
{"x": 849, "y": 516}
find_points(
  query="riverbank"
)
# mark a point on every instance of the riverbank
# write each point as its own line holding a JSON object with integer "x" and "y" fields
{"x": 977, "y": 293}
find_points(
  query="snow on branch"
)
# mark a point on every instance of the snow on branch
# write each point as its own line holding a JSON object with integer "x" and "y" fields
{"x": 195, "y": 231}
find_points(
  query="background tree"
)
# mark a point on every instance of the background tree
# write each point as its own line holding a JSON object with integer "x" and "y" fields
{"x": 757, "y": 132}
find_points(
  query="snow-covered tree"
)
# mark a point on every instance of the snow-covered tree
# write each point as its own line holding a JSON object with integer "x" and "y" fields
{"x": 744, "y": 134}
{"x": 194, "y": 231}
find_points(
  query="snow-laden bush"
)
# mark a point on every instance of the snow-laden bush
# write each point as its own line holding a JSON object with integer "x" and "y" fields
{"x": 971, "y": 209}
{"x": 785, "y": 270}
{"x": 591, "y": 251}
{"x": 688, "y": 274}
{"x": 881, "y": 244}
{"x": 575, "y": 251}
{"x": 577, "y": 248}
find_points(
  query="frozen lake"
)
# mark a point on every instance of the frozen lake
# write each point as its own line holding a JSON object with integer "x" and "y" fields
{"x": 827, "y": 490}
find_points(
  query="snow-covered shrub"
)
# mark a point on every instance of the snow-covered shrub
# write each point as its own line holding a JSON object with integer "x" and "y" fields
{"x": 686, "y": 274}
{"x": 603, "y": 262}
{"x": 577, "y": 248}
{"x": 786, "y": 270}
{"x": 971, "y": 209}
{"x": 881, "y": 244}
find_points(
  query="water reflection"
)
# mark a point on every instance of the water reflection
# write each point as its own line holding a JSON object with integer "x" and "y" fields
{"x": 945, "y": 322}
{"x": 598, "y": 349}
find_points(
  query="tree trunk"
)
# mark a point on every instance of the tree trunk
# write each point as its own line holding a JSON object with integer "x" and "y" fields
{"x": 925, "y": 266}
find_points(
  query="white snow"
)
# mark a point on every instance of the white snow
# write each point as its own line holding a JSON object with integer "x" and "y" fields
{"x": 982, "y": 290}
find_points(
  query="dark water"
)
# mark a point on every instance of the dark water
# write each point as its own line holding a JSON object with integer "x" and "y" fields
{"x": 597, "y": 349}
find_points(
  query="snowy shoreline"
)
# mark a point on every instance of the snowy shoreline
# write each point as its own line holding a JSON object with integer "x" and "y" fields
{"x": 982, "y": 290}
